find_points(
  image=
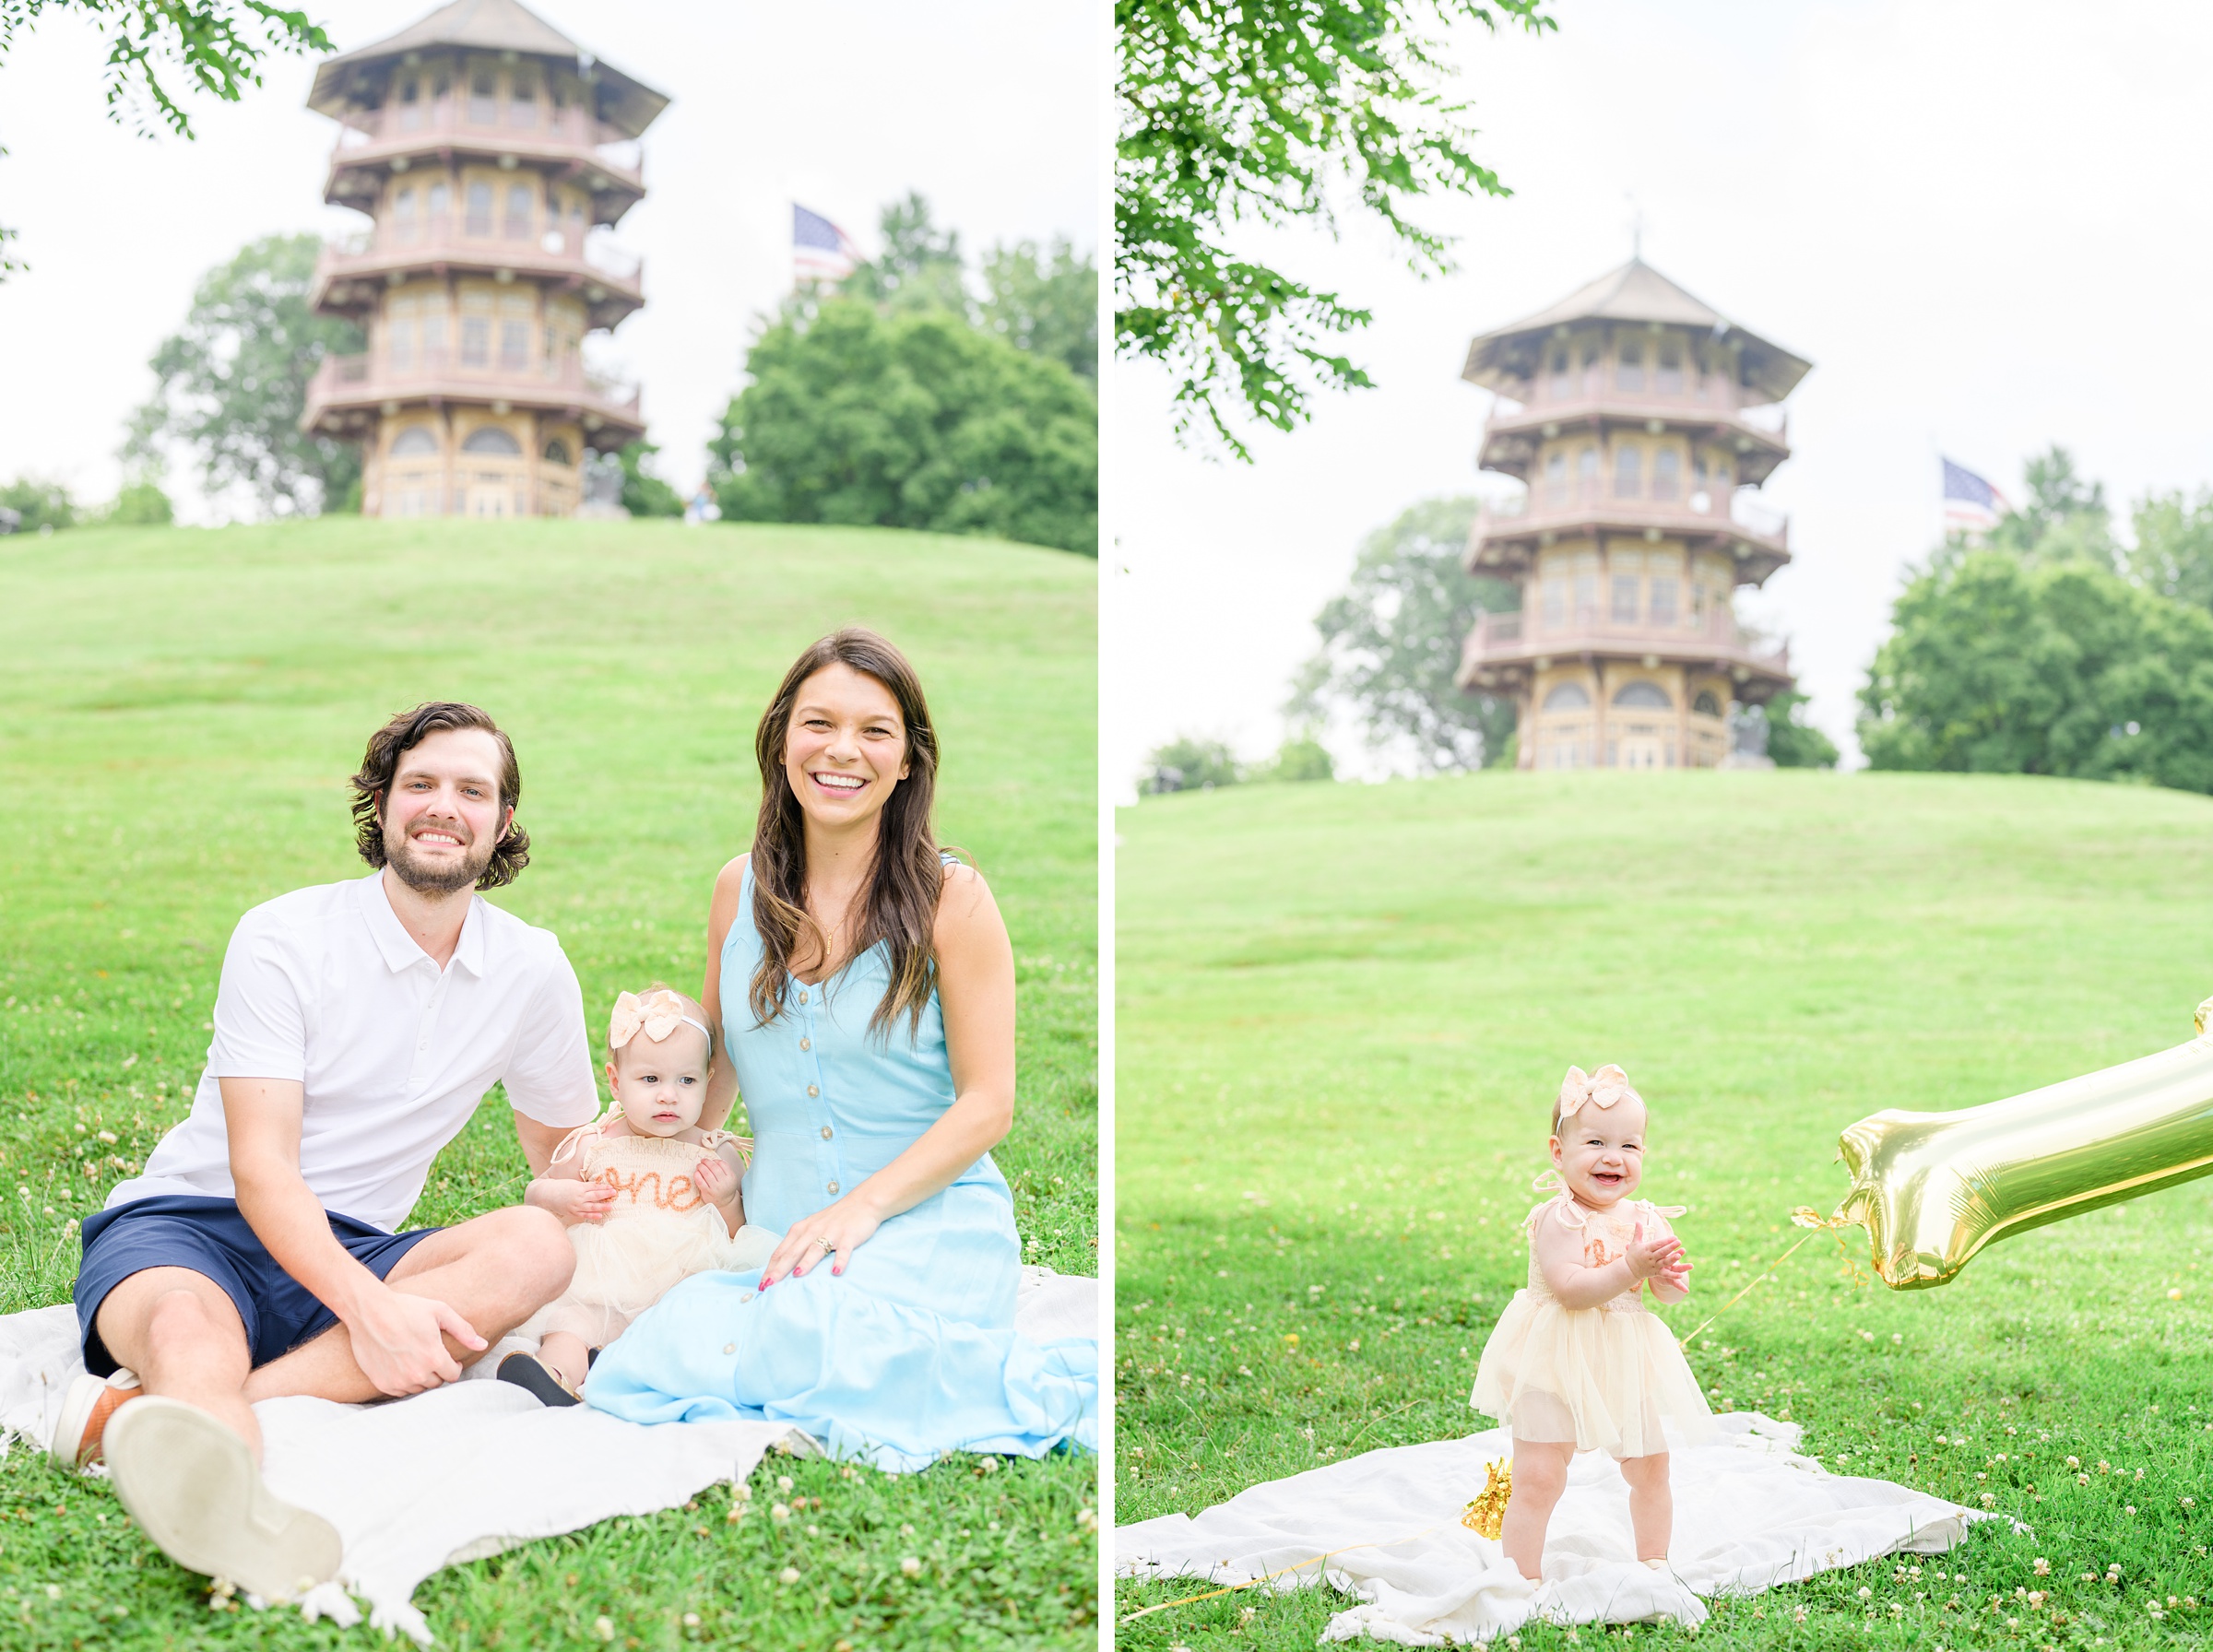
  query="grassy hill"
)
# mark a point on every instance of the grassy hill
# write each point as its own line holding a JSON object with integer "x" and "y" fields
{"x": 179, "y": 710}
{"x": 1344, "y": 1012}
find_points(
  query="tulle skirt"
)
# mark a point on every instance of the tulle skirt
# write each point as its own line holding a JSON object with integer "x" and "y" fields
{"x": 626, "y": 1264}
{"x": 1602, "y": 1380}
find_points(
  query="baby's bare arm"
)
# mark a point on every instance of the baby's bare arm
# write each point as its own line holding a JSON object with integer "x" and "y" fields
{"x": 562, "y": 1190}
{"x": 1559, "y": 1251}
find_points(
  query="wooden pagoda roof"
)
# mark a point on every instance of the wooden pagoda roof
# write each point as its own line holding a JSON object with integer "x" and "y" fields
{"x": 354, "y": 78}
{"x": 1502, "y": 358}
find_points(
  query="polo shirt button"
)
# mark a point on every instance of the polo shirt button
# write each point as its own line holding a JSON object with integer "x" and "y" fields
{"x": 806, "y": 1043}
{"x": 826, "y": 1132}
{"x": 729, "y": 1348}
{"x": 833, "y": 1187}
{"x": 814, "y": 1090}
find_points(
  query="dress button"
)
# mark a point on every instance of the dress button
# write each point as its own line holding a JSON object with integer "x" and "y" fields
{"x": 806, "y": 1043}
{"x": 729, "y": 1348}
{"x": 802, "y": 997}
{"x": 814, "y": 1090}
{"x": 826, "y": 1132}
{"x": 833, "y": 1187}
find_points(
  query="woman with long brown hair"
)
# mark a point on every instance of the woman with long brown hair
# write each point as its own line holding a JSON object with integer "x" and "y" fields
{"x": 862, "y": 987}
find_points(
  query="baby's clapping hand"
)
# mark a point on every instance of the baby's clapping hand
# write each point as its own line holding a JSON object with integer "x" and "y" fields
{"x": 573, "y": 1201}
{"x": 1655, "y": 1259}
{"x": 715, "y": 1179}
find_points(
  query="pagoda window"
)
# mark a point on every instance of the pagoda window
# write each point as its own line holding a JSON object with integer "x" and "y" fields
{"x": 1586, "y": 475}
{"x": 1554, "y": 591}
{"x": 1629, "y": 472}
{"x": 1563, "y": 377}
{"x": 434, "y": 331}
{"x": 1720, "y": 475}
{"x": 522, "y": 99}
{"x": 520, "y": 204}
{"x": 399, "y": 334}
{"x": 1663, "y": 599}
{"x": 403, "y": 216}
{"x": 484, "y": 99}
{"x": 1628, "y": 372}
{"x": 476, "y": 329}
{"x": 1668, "y": 381}
{"x": 1593, "y": 369}
{"x": 1624, "y": 598}
{"x": 411, "y": 104}
{"x": 492, "y": 439}
{"x": 1586, "y": 588}
{"x": 515, "y": 345}
{"x": 1667, "y": 472}
{"x": 1568, "y": 697}
{"x": 557, "y": 453}
{"x": 414, "y": 442}
{"x": 1644, "y": 696}
{"x": 479, "y": 221}
{"x": 1706, "y": 705}
{"x": 441, "y": 203}
{"x": 1555, "y": 480}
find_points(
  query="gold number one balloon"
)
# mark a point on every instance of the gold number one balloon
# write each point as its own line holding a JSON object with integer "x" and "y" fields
{"x": 1934, "y": 1188}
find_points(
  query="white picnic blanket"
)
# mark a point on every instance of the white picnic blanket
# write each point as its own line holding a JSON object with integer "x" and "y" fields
{"x": 469, "y": 1469}
{"x": 1750, "y": 1513}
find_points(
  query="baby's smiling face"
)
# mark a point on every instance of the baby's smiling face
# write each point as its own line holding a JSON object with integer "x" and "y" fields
{"x": 1600, "y": 1153}
{"x": 661, "y": 1086}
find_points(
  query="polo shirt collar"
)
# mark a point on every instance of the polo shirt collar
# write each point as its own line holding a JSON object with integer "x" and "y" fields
{"x": 398, "y": 949}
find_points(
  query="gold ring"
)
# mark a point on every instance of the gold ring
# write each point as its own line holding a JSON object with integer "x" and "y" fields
{"x": 825, "y": 1245}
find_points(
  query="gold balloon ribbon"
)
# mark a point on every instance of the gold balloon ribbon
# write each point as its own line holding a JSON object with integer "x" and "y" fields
{"x": 1931, "y": 1189}
{"x": 1805, "y": 1216}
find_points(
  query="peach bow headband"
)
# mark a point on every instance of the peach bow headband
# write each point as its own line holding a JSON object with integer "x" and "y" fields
{"x": 1608, "y": 1085}
{"x": 657, "y": 1015}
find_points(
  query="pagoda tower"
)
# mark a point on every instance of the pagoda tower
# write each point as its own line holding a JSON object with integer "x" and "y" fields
{"x": 484, "y": 146}
{"x": 1633, "y": 415}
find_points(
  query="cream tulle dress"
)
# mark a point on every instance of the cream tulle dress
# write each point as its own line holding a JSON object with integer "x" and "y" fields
{"x": 660, "y": 1230}
{"x": 1601, "y": 1377}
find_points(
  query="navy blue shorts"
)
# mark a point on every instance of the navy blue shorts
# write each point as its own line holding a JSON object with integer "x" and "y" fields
{"x": 209, "y": 1236}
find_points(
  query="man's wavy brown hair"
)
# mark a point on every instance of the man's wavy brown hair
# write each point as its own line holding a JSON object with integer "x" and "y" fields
{"x": 401, "y": 736}
{"x": 909, "y": 874}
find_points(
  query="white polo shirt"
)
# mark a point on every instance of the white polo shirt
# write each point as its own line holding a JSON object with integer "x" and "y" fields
{"x": 323, "y": 986}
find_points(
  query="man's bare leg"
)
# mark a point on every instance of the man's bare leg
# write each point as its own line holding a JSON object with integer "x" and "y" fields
{"x": 495, "y": 1270}
{"x": 181, "y": 1332}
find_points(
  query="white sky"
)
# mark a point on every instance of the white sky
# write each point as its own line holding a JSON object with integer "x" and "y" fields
{"x": 988, "y": 107}
{"x": 1985, "y": 221}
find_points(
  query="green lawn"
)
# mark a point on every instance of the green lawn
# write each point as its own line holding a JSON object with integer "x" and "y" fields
{"x": 179, "y": 710}
{"x": 1343, "y": 1013}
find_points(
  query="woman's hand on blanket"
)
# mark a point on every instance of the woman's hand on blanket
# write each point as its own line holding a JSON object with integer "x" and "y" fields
{"x": 399, "y": 1341}
{"x": 832, "y": 1234}
{"x": 570, "y": 1200}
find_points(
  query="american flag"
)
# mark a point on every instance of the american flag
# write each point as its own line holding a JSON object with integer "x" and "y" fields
{"x": 1971, "y": 504}
{"x": 820, "y": 250}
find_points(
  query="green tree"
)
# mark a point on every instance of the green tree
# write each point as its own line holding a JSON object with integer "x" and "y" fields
{"x": 908, "y": 420}
{"x": 217, "y": 45}
{"x": 140, "y": 505}
{"x": 231, "y": 386}
{"x": 2174, "y": 552}
{"x": 1045, "y": 301}
{"x": 919, "y": 268}
{"x": 1189, "y": 764}
{"x": 1390, "y": 644}
{"x": 42, "y": 505}
{"x": 1793, "y": 742}
{"x": 2001, "y": 665}
{"x": 1268, "y": 113}
{"x": 1300, "y": 757}
{"x": 644, "y": 494}
{"x": 2065, "y": 520}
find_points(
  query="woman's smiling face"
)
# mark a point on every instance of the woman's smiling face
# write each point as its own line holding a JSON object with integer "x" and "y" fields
{"x": 846, "y": 749}
{"x": 1600, "y": 1153}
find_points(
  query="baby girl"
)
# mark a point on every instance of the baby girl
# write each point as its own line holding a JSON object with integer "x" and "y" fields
{"x": 1576, "y": 1362}
{"x": 649, "y": 1197}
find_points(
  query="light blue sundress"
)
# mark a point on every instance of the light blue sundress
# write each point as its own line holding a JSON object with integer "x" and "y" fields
{"x": 910, "y": 1353}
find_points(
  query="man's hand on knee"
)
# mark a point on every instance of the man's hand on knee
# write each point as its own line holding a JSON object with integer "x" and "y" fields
{"x": 400, "y": 1340}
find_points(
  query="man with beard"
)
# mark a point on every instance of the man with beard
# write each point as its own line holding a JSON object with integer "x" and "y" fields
{"x": 357, "y": 1028}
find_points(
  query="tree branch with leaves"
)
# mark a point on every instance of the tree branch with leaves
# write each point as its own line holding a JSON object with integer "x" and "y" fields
{"x": 1262, "y": 112}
